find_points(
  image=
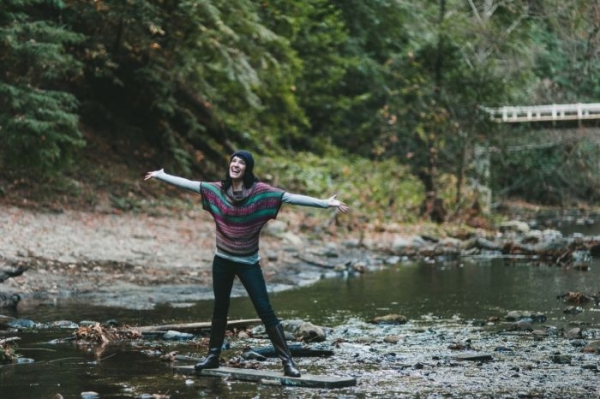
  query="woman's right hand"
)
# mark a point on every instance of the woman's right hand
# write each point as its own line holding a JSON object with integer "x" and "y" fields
{"x": 152, "y": 174}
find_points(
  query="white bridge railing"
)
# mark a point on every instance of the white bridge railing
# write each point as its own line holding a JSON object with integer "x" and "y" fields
{"x": 541, "y": 113}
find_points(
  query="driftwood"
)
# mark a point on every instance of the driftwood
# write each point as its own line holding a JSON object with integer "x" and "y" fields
{"x": 8, "y": 273}
{"x": 197, "y": 327}
{"x": 7, "y": 340}
{"x": 315, "y": 262}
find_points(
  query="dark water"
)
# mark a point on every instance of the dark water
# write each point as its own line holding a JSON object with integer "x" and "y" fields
{"x": 477, "y": 289}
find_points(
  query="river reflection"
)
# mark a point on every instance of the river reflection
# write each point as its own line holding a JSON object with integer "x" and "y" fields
{"x": 472, "y": 290}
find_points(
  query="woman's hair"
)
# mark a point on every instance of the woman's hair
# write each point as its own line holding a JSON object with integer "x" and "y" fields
{"x": 249, "y": 179}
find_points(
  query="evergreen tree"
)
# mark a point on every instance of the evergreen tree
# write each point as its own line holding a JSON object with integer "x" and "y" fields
{"x": 38, "y": 114}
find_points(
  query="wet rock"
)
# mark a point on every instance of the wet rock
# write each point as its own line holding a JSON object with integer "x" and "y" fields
{"x": 573, "y": 333}
{"x": 404, "y": 245}
{"x": 330, "y": 251}
{"x": 308, "y": 332}
{"x": 502, "y": 349}
{"x": 393, "y": 260}
{"x": 276, "y": 228}
{"x": 272, "y": 256}
{"x": 514, "y": 226}
{"x": 9, "y": 300}
{"x": 592, "y": 347}
{"x": 521, "y": 325}
{"x": 253, "y": 355}
{"x": 578, "y": 343}
{"x": 305, "y": 331}
{"x": 87, "y": 323}
{"x": 560, "y": 359}
{"x": 110, "y": 323}
{"x": 516, "y": 315}
{"x": 360, "y": 267}
{"x": 572, "y": 310}
{"x": 22, "y": 323}
{"x": 64, "y": 324}
{"x": 392, "y": 339}
{"x": 390, "y": 319}
{"x": 475, "y": 357}
{"x": 177, "y": 336}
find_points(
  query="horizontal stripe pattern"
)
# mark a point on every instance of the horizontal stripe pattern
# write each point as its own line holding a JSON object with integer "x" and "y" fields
{"x": 239, "y": 222}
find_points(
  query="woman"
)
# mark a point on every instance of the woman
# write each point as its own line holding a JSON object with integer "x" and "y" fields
{"x": 241, "y": 206}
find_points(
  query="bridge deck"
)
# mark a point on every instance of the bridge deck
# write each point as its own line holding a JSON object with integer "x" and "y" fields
{"x": 544, "y": 113}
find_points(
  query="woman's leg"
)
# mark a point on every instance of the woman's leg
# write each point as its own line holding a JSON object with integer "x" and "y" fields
{"x": 252, "y": 278}
{"x": 223, "y": 276}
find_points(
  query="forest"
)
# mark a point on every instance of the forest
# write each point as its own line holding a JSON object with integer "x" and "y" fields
{"x": 381, "y": 100}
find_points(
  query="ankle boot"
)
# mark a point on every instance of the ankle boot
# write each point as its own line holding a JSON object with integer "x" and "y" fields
{"x": 277, "y": 337}
{"x": 217, "y": 336}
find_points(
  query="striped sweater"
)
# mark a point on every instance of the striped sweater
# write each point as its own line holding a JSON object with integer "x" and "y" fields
{"x": 239, "y": 222}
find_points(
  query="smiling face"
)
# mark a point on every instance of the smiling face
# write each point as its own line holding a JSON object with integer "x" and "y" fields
{"x": 237, "y": 168}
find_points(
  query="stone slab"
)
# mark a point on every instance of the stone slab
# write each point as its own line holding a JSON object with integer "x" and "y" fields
{"x": 271, "y": 377}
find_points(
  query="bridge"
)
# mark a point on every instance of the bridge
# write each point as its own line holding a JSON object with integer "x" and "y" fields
{"x": 544, "y": 113}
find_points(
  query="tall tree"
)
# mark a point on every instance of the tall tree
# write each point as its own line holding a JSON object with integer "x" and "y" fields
{"x": 38, "y": 113}
{"x": 196, "y": 77}
{"x": 461, "y": 55}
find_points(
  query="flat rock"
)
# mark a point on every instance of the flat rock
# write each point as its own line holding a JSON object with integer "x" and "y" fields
{"x": 271, "y": 377}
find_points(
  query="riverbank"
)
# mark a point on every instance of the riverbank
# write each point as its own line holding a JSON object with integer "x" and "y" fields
{"x": 120, "y": 259}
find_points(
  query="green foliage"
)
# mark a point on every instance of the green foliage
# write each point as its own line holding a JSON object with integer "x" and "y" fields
{"x": 457, "y": 59}
{"x": 548, "y": 168}
{"x": 38, "y": 117}
{"x": 386, "y": 192}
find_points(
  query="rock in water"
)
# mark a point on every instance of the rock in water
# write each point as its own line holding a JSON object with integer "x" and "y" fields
{"x": 9, "y": 300}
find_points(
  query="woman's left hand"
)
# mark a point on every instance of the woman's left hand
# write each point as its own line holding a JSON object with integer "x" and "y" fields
{"x": 333, "y": 202}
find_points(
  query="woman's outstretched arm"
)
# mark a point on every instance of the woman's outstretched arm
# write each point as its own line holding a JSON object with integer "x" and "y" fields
{"x": 305, "y": 200}
{"x": 174, "y": 180}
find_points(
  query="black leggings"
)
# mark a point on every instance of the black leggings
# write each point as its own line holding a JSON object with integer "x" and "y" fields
{"x": 224, "y": 272}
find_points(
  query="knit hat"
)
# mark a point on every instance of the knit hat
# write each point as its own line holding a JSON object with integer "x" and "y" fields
{"x": 248, "y": 158}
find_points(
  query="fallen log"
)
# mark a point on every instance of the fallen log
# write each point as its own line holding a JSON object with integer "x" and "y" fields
{"x": 197, "y": 327}
{"x": 9, "y": 339}
{"x": 8, "y": 273}
{"x": 315, "y": 262}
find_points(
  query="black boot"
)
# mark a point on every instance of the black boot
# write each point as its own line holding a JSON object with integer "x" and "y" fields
{"x": 277, "y": 337}
{"x": 217, "y": 336}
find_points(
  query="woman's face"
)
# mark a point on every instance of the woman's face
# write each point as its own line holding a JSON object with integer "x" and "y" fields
{"x": 237, "y": 168}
